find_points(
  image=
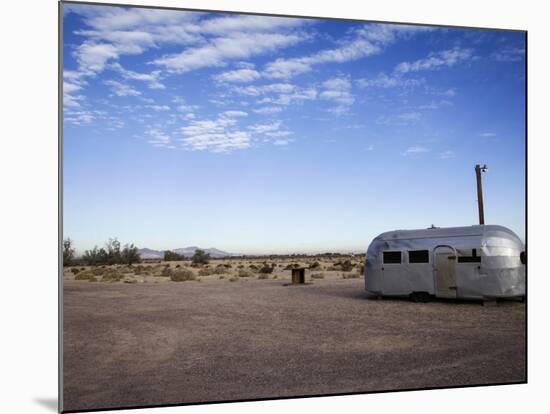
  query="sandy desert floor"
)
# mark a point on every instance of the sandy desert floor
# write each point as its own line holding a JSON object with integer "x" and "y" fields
{"x": 155, "y": 342}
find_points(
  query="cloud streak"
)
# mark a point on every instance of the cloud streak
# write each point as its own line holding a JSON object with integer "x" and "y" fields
{"x": 437, "y": 60}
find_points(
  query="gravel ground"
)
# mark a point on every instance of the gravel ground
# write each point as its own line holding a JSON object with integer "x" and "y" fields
{"x": 173, "y": 343}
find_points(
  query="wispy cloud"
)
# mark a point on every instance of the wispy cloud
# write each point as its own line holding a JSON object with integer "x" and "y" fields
{"x": 366, "y": 41}
{"x": 446, "y": 155}
{"x": 514, "y": 54}
{"x": 286, "y": 68}
{"x": 338, "y": 90}
{"x": 267, "y": 110}
{"x": 234, "y": 114}
{"x": 158, "y": 138}
{"x": 152, "y": 79}
{"x": 263, "y": 128}
{"x": 436, "y": 60}
{"x": 415, "y": 150}
{"x": 121, "y": 89}
{"x": 389, "y": 81}
{"x": 216, "y": 135}
{"x": 488, "y": 134}
{"x": 238, "y": 76}
{"x": 231, "y": 47}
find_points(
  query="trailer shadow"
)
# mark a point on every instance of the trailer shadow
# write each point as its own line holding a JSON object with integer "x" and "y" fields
{"x": 358, "y": 294}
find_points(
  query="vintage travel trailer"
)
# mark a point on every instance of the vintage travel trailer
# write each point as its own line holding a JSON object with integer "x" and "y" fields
{"x": 484, "y": 262}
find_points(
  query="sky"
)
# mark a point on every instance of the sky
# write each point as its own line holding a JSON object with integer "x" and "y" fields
{"x": 264, "y": 134}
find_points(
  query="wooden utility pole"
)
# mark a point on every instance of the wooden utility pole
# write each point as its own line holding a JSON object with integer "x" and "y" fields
{"x": 479, "y": 170}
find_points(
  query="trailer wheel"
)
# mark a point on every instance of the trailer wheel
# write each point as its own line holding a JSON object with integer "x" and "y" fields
{"x": 420, "y": 297}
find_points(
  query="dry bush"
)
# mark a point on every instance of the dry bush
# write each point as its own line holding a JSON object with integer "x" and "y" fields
{"x": 98, "y": 271}
{"x": 315, "y": 265}
{"x": 291, "y": 266}
{"x": 112, "y": 275}
{"x": 85, "y": 275}
{"x": 253, "y": 267}
{"x": 347, "y": 266}
{"x": 213, "y": 271}
{"x": 317, "y": 275}
{"x": 130, "y": 280}
{"x": 351, "y": 276}
{"x": 266, "y": 268}
{"x": 183, "y": 276}
{"x": 233, "y": 279}
{"x": 166, "y": 272}
{"x": 222, "y": 277}
{"x": 75, "y": 270}
{"x": 263, "y": 276}
{"x": 244, "y": 273}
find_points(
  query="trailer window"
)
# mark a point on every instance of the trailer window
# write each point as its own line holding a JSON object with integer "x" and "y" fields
{"x": 419, "y": 256}
{"x": 392, "y": 257}
{"x": 468, "y": 256}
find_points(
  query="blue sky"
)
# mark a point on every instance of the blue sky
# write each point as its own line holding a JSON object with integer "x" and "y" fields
{"x": 261, "y": 134}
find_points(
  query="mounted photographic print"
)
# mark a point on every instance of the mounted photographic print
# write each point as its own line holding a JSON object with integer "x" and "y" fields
{"x": 262, "y": 207}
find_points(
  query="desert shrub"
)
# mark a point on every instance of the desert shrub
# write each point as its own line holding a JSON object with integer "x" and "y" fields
{"x": 240, "y": 266}
{"x": 244, "y": 273}
{"x": 178, "y": 266}
{"x": 315, "y": 265}
{"x": 112, "y": 275}
{"x": 263, "y": 276}
{"x": 75, "y": 270}
{"x": 92, "y": 279}
{"x": 350, "y": 275}
{"x": 275, "y": 277}
{"x": 166, "y": 272}
{"x": 85, "y": 275}
{"x": 291, "y": 266}
{"x": 222, "y": 277}
{"x": 253, "y": 267}
{"x": 347, "y": 266}
{"x": 98, "y": 271}
{"x": 361, "y": 269}
{"x": 233, "y": 279}
{"x": 130, "y": 280}
{"x": 213, "y": 271}
{"x": 266, "y": 268}
{"x": 183, "y": 276}
{"x": 317, "y": 275}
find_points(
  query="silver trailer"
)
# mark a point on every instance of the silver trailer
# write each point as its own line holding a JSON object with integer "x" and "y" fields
{"x": 476, "y": 262}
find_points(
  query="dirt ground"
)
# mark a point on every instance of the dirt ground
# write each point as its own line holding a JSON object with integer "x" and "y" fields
{"x": 212, "y": 340}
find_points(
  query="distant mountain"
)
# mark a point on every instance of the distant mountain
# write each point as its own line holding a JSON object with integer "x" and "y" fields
{"x": 150, "y": 254}
{"x": 183, "y": 251}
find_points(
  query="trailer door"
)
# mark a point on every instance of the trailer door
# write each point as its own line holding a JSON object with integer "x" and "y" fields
{"x": 445, "y": 272}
